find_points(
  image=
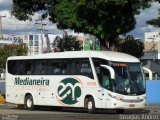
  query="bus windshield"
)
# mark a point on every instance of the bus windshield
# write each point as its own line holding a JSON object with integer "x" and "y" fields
{"x": 129, "y": 79}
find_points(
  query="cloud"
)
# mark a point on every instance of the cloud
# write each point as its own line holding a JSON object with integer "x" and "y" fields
{"x": 145, "y": 15}
{"x": 5, "y": 4}
{"x": 11, "y": 25}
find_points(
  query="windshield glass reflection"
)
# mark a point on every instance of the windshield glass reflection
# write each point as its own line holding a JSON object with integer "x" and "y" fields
{"x": 128, "y": 78}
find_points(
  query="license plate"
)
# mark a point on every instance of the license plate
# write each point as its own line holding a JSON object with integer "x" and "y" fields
{"x": 131, "y": 105}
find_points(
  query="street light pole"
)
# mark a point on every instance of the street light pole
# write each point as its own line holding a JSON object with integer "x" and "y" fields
{"x": 153, "y": 47}
{"x": 1, "y": 32}
{"x": 41, "y": 32}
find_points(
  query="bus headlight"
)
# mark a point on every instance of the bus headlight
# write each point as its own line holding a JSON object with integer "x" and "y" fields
{"x": 127, "y": 100}
{"x": 116, "y": 97}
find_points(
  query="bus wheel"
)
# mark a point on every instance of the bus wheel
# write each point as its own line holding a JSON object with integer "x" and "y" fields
{"x": 29, "y": 105}
{"x": 91, "y": 106}
{"x": 120, "y": 111}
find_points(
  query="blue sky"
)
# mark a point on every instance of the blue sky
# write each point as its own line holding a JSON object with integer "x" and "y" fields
{"x": 12, "y": 25}
{"x": 141, "y": 26}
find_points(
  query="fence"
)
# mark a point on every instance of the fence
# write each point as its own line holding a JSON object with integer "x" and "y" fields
{"x": 2, "y": 87}
{"x": 153, "y": 91}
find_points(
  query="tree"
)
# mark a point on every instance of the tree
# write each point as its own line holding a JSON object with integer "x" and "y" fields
{"x": 11, "y": 50}
{"x": 106, "y": 19}
{"x": 156, "y": 21}
{"x": 131, "y": 46}
{"x": 66, "y": 43}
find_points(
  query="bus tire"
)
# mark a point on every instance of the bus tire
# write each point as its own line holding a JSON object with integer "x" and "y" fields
{"x": 29, "y": 104}
{"x": 91, "y": 105}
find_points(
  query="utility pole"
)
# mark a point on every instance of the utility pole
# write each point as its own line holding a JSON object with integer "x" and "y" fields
{"x": 153, "y": 47}
{"x": 41, "y": 32}
{"x": 1, "y": 32}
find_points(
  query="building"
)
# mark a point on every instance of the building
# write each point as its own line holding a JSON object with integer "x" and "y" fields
{"x": 10, "y": 39}
{"x": 151, "y": 58}
{"x": 34, "y": 43}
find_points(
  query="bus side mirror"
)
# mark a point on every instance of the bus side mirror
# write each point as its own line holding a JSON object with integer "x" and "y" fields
{"x": 111, "y": 70}
{"x": 149, "y": 71}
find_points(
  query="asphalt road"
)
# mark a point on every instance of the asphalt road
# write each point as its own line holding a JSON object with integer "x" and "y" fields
{"x": 10, "y": 112}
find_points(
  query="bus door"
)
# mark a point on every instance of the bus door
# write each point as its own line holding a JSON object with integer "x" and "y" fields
{"x": 101, "y": 98}
{"x": 104, "y": 81}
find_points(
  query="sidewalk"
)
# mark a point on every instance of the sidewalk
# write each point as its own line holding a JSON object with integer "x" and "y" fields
{"x": 153, "y": 106}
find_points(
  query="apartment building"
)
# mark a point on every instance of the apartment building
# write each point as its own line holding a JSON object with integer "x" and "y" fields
{"x": 151, "y": 57}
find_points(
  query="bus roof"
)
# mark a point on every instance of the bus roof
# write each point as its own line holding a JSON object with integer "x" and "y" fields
{"x": 108, "y": 55}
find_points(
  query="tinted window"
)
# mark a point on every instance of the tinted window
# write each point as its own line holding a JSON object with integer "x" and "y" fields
{"x": 57, "y": 67}
{"x": 51, "y": 67}
{"x": 85, "y": 68}
{"x": 39, "y": 68}
{"x": 102, "y": 73}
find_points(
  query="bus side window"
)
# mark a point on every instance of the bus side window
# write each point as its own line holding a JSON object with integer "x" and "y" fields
{"x": 56, "y": 68}
{"x": 43, "y": 70}
{"x": 64, "y": 69}
{"x": 105, "y": 78}
{"x": 11, "y": 67}
{"x": 53, "y": 67}
{"x": 98, "y": 68}
{"x": 102, "y": 73}
{"x": 16, "y": 68}
{"x": 39, "y": 68}
{"x": 85, "y": 68}
{"x": 22, "y": 68}
{"x": 73, "y": 68}
{"x": 50, "y": 66}
{"x": 29, "y": 67}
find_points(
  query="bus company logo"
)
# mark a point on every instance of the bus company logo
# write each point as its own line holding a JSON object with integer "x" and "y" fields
{"x": 69, "y": 91}
{"x": 28, "y": 81}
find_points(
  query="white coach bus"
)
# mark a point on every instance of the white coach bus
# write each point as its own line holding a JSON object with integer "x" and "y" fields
{"x": 88, "y": 79}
